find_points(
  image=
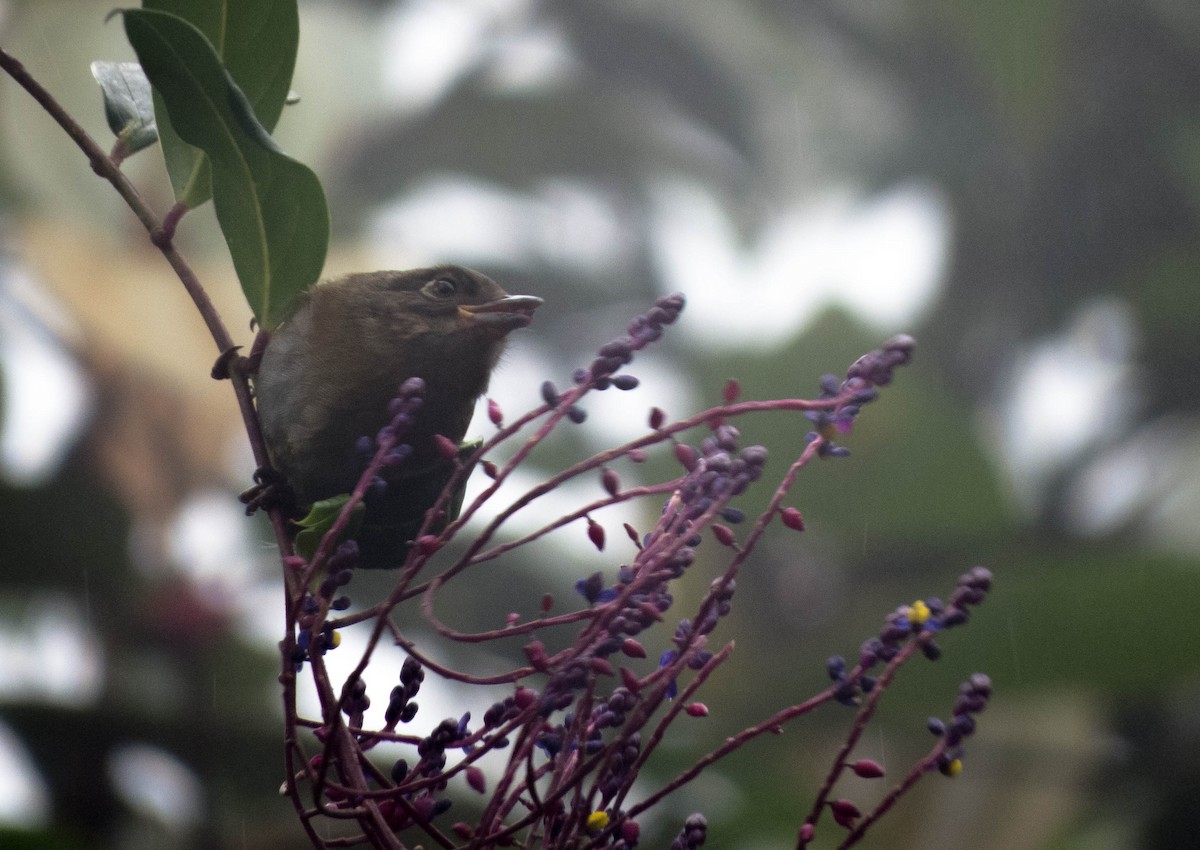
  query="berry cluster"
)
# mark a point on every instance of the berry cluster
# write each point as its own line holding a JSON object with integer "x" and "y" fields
{"x": 572, "y": 748}
{"x": 973, "y": 696}
{"x": 873, "y": 369}
{"x": 693, "y": 834}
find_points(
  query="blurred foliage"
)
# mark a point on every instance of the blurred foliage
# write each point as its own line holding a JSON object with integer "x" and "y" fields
{"x": 1065, "y": 140}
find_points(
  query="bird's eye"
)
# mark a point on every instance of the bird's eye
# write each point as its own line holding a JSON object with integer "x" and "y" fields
{"x": 441, "y": 288}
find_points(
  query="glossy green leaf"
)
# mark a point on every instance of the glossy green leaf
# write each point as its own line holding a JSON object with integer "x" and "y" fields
{"x": 271, "y": 208}
{"x": 128, "y": 104}
{"x": 256, "y": 41}
{"x": 191, "y": 178}
{"x": 320, "y": 518}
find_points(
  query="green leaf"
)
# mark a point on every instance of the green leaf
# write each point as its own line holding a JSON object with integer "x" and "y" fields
{"x": 128, "y": 104}
{"x": 271, "y": 208}
{"x": 191, "y": 177}
{"x": 320, "y": 518}
{"x": 256, "y": 41}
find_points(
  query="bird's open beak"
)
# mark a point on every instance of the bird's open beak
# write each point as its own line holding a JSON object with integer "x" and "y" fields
{"x": 503, "y": 315}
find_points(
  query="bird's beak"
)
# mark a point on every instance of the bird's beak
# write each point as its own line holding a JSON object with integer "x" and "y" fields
{"x": 503, "y": 315}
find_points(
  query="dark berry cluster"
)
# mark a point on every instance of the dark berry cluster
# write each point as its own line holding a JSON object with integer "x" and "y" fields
{"x": 676, "y": 565}
{"x": 643, "y": 330}
{"x": 618, "y": 772}
{"x": 929, "y": 615}
{"x": 551, "y": 396}
{"x": 873, "y": 369}
{"x": 507, "y": 709}
{"x": 638, "y": 612}
{"x": 973, "y": 696}
{"x": 922, "y": 618}
{"x": 552, "y": 739}
{"x": 685, "y": 635}
{"x": 564, "y": 683}
{"x": 693, "y": 834}
{"x": 339, "y": 569}
{"x": 973, "y": 586}
{"x": 612, "y": 711}
{"x": 355, "y": 701}
{"x": 721, "y": 595}
{"x": 647, "y": 328}
{"x": 562, "y": 687}
{"x": 847, "y": 691}
{"x": 402, "y": 409}
{"x": 718, "y": 471}
{"x": 308, "y": 642}
{"x": 405, "y": 807}
{"x": 641, "y": 609}
{"x": 401, "y": 708}
{"x": 432, "y": 748}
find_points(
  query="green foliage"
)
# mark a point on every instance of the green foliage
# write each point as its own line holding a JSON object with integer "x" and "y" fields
{"x": 256, "y": 42}
{"x": 128, "y": 105}
{"x": 271, "y": 208}
{"x": 320, "y": 518}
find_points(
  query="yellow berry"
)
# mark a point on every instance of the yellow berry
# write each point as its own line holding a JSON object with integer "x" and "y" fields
{"x": 918, "y": 613}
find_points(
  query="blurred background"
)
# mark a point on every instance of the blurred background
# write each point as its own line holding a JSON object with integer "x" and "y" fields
{"x": 1016, "y": 184}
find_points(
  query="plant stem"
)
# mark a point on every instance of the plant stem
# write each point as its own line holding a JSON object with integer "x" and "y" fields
{"x": 105, "y": 167}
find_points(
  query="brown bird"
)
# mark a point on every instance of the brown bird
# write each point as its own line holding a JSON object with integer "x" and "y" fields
{"x": 330, "y": 370}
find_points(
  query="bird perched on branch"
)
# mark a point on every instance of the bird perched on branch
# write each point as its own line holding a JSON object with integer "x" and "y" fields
{"x": 331, "y": 369}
